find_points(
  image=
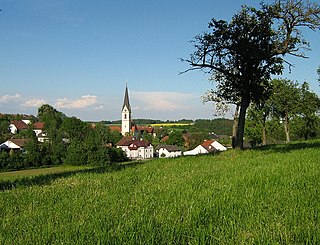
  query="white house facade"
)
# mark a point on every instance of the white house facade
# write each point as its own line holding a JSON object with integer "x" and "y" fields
{"x": 136, "y": 149}
{"x": 13, "y": 144}
{"x": 165, "y": 151}
{"x": 17, "y": 125}
{"x": 206, "y": 147}
{"x": 196, "y": 151}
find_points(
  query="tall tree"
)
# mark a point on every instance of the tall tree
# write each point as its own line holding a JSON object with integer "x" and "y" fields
{"x": 258, "y": 115}
{"x": 309, "y": 105}
{"x": 53, "y": 120}
{"x": 243, "y": 54}
{"x": 285, "y": 102}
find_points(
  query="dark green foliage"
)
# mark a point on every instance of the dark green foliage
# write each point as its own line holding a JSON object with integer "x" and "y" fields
{"x": 219, "y": 126}
{"x": 290, "y": 107}
{"x": 4, "y": 129}
{"x": 253, "y": 129}
{"x": 175, "y": 138}
{"x": 196, "y": 139}
{"x": 32, "y": 155}
{"x": 309, "y": 106}
{"x": 76, "y": 154}
{"x": 74, "y": 129}
{"x": 70, "y": 141}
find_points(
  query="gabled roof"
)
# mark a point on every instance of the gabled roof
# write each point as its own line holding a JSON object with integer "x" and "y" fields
{"x": 207, "y": 144}
{"x": 148, "y": 129}
{"x": 164, "y": 139}
{"x": 169, "y": 148}
{"x": 14, "y": 144}
{"x": 38, "y": 125}
{"x": 132, "y": 143}
{"x": 126, "y": 100}
{"x": 19, "y": 124}
{"x": 136, "y": 144}
{"x": 125, "y": 141}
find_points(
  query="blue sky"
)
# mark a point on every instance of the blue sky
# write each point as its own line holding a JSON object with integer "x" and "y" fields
{"x": 78, "y": 55}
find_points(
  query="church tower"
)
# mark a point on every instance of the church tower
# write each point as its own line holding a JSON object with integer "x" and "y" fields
{"x": 126, "y": 114}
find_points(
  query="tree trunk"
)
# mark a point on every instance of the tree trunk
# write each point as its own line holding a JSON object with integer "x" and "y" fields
{"x": 235, "y": 126}
{"x": 286, "y": 127}
{"x": 241, "y": 123}
{"x": 264, "y": 128}
{"x": 264, "y": 135}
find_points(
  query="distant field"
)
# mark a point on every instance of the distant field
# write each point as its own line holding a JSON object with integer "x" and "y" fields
{"x": 266, "y": 196}
{"x": 170, "y": 124}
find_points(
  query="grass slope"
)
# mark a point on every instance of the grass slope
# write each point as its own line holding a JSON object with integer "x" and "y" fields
{"x": 267, "y": 196}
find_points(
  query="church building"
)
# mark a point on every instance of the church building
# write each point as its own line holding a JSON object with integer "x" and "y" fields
{"x": 126, "y": 114}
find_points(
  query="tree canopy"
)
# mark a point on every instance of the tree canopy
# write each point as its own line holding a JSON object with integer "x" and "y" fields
{"x": 243, "y": 54}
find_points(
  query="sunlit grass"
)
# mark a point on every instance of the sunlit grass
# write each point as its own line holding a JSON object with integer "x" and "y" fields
{"x": 268, "y": 196}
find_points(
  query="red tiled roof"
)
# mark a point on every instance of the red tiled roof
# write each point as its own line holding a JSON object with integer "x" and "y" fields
{"x": 115, "y": 128}
{"x": 38, "y": 125}
{"x": 20, "y": 124}
{"x": 125, "y": 141}
{"x": 135, "y": 144}
{"x": 165, "y": 138}
{"x": 148, "y": 129}
{"x": 207, "y": 145}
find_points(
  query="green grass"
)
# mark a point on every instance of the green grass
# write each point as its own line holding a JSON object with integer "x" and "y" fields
{"x": 13, "y": 175}
{"x": 266, "y": 196}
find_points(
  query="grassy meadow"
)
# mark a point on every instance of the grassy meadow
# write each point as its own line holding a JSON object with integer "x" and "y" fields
{"x": 14, "y": 175}
{"x": 265, "y": 196}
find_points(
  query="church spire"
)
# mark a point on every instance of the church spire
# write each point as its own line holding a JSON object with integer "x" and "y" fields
{"x": 126, "y": 99}
{"x": 126, "y": 114}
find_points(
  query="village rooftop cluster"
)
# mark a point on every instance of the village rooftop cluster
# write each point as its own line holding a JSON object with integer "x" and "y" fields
{"x": 133, "y": 146}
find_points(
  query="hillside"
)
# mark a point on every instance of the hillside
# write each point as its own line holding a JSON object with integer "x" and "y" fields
{"x": 264, "y": 196}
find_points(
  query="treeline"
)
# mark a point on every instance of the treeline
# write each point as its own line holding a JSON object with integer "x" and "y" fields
{"x": 141, "y": 121}
{"x": 219, "y": 126}
{"x": 290, "y": 112}
{"x": 69, "y": 141}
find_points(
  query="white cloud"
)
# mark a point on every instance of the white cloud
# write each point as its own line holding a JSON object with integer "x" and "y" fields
{"x": 162, "y": 101}
{"x": 34, "y": 103}
{"x": 86, "y": 101}
{"x": 7, "y": 98}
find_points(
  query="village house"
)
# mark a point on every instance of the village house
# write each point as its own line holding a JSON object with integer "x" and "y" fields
{"x": 133, "y": 147}
{"x": 17, "y": 126}
{"x": 168, "y": 151}
{"x": 13, "y": 144}
{"x": 208, "y": 146}
{"x": 38, "y": 128}
{"x": 136, "y": 149}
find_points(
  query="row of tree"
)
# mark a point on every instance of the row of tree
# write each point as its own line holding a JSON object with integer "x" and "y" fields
{"x": 290, "y": 106}
{"x": 70, "y": 141}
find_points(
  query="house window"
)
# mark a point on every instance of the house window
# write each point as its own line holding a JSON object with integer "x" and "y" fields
{"x": 125, "y": 116}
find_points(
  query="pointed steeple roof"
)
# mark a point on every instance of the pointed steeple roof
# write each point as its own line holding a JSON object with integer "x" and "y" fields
{"x": 126, "y": 99}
